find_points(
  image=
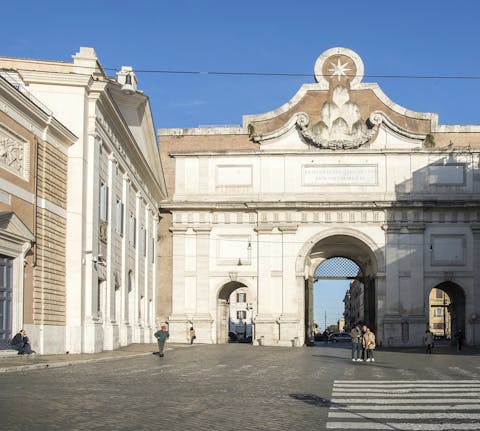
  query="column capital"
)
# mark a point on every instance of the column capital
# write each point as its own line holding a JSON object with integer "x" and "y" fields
{"x": 393, "y": 227}
{"x": 475, "y": 228}
{"x": 288, "y": 228}
{"x": 264, "y": 228}
{"x": 178, "y": 229}
{"x": 202, "y": 229}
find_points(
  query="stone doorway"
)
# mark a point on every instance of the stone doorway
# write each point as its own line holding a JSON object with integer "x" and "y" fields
{"x": 6, "y": 300}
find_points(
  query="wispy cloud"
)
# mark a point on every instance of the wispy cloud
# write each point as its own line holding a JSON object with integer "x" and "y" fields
{"x": 189, "y": 103}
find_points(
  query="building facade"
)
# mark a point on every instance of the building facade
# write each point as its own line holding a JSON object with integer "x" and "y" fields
{"x": 353, "y": 303}
{"x": 112, "y": 186}
{"x": 440, "y": 320}
{"x": 340, "y": 170}
{"x": 34, "y": 149}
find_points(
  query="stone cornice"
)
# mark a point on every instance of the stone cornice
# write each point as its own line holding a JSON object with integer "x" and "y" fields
{"x": 315, "y": 205}
{"x": 202, "y": 131}
{"x": 281, "y": 153}
{"x": 48, "y": 126}
{"x": 70, "y": 79}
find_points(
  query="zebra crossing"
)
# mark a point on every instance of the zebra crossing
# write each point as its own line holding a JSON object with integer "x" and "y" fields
{"x": 426, "y": 405}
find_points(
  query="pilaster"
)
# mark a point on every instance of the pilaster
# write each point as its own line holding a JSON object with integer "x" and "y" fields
{"x": 266, "y": 326}
{"x": 178, "y": 320}
{"x": 202, "y": 234}
{"x": 289, "y": 320}
{"x": 474, "y": 317}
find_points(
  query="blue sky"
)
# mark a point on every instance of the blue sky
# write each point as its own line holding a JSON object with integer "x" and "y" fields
{"x": 428, "y": 37}
{"x": 328, "y": 298}
{"x": 393, "y": 38}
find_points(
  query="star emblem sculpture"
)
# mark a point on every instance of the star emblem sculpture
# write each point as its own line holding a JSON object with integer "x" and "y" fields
{"x": 339, "y": 69}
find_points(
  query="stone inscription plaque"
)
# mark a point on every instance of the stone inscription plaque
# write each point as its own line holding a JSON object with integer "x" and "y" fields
{"x": 447, "y": 175}
{"x": 234, "y": 176}
{"x": 319, "y": 175}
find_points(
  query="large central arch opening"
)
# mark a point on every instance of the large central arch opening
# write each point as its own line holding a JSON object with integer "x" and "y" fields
{"x": 337, "y": 285}
{"x": 350, "y": 265}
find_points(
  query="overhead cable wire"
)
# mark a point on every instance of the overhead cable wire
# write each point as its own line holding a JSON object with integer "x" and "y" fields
{"x": 251, "y": 73}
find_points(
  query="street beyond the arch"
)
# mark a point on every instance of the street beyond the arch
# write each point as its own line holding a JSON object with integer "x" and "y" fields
{"x": 239, "y": 386}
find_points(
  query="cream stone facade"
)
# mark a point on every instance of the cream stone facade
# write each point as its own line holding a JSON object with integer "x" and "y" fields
{"x": 338, "y": 171}
{"x": 97, "y": 290}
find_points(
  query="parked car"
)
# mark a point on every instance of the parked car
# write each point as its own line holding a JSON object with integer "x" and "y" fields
{"x": 339, "y": 337}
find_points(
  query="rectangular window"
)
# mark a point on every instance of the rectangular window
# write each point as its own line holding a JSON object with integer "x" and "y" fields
{"x": 438, "y": 312}
{"x": 103, "y": 201}
{"x": 119, "y": 217}
{"x": 132, "y": 230}
{"x": 438, "y": 326}
{"x": 439, "y": 293}
{"x": 152, "y": 249}
{"x": 144, "y": 241}
{"x": 241, "y": 314}
{"x": 241, "y": 297}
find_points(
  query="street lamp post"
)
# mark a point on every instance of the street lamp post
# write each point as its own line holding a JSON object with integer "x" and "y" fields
{"x": 249, "y": 308}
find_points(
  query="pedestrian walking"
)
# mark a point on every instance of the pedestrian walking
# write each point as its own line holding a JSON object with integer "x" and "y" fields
{"x": 428, "y": 341}
{"x": 161, "y": 336}
{"x": 21, "y": 343}
{"x": 369, "y": 345}
{"x": 364, "y": 329}
{"x": 460, "y": 338}
{"x": 356, "y": 334}
{"x": 192, "y": 335}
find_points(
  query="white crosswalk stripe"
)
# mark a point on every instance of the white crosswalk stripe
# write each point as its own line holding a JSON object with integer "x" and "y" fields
{"x": 411, "y": 405}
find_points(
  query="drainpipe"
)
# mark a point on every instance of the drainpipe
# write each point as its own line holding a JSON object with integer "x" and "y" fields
{"x": 35, "y": 196}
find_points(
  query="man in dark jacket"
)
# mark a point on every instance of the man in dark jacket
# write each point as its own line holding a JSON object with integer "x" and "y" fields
{"x": 356, "y": 334}
{"x": 21, "y": 343}
{"x": 162, "y": 336}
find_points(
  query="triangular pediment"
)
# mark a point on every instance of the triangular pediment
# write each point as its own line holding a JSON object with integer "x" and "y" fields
{"x": 12, "y": 227}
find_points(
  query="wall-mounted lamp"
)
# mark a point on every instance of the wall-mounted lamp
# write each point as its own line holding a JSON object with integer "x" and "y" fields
{"x": 249, "y": 246}
{"x": 239, "y": 263}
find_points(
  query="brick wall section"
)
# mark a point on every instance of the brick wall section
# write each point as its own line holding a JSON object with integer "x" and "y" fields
{"x": 193, "y": 144}
{"x": 49, "y": 274}
{"x": 367, "y": 101}
{"x": 52, "y": 172}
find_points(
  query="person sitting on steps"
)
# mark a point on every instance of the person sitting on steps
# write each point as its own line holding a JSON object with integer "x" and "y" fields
{"x": 22, "y": 343}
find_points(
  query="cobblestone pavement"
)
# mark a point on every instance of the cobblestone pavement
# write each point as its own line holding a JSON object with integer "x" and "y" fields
{"x": 201, "y": 387}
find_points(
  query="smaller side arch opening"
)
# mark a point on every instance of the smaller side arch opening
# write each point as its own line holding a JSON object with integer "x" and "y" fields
{"x": 446, "y": 311}
{"x": 235, "y": 311}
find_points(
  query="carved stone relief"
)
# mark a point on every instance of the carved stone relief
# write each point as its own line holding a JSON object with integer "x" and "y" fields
{"x": 12, "y": 153}
{"x": 340, "y": 124}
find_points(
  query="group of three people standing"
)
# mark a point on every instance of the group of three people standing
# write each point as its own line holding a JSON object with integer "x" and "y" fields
{"x": 363, "y": 343}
